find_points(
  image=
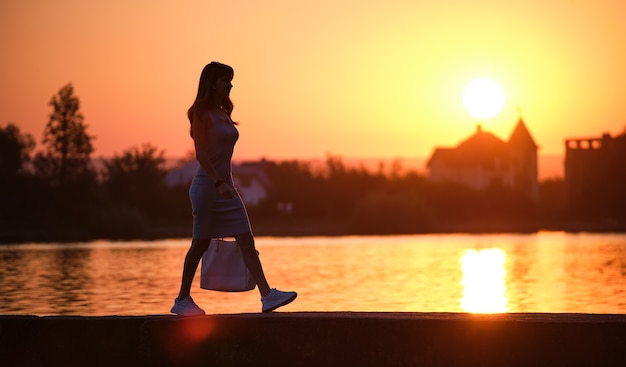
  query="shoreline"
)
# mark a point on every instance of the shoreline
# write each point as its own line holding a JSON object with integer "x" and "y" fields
{"x": 20, "y": 236}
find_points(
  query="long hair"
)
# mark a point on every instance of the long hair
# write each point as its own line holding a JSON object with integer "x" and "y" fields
{"x": 204, "y": 99}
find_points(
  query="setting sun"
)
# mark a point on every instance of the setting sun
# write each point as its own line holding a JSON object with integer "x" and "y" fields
{"x": 483, "y": 98}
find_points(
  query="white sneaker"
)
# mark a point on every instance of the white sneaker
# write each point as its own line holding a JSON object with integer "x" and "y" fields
{"x": 276, "y": 298}
{"x": 186, "y": 307}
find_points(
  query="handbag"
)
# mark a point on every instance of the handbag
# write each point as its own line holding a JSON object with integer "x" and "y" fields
{"x": 223, "y": 268}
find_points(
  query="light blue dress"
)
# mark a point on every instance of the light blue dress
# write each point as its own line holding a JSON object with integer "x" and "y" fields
{"x": 214, "y": 216}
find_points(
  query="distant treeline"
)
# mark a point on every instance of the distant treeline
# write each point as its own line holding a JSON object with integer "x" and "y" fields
{"x": 366, "y": 202}
{"x": 57, "y": 194}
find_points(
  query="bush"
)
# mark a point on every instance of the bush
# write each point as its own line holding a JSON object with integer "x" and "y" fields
{"x": 382, "y": 212}
{"x": 118, "y": 221}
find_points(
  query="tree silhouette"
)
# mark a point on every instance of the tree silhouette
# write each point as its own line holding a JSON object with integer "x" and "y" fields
{"x": 136, "y": 178}
{"x": 15, "y": 149}
{"x": 67, "y": 146}
{"x": 15, "y": 203}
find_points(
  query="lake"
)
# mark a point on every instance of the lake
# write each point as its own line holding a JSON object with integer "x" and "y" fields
{"x": 542, "y": 272}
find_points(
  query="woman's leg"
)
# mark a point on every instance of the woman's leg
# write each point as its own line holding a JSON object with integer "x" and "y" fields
{"x": 251, "y": 258}
{"x": 198, "y": 247}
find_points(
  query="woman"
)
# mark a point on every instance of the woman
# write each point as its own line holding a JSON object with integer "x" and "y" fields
{"x": 217, "y": 208}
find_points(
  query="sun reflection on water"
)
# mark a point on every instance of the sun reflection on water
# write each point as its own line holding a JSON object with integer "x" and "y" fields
{"x": 484, "y": 284}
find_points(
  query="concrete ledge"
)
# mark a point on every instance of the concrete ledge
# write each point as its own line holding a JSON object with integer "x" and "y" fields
{"x": 316, "y": 339}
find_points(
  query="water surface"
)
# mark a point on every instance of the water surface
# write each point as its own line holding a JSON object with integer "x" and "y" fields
{"x": 544, "y": 272}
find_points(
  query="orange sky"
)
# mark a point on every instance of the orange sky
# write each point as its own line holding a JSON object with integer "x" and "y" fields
{"x": 348, "y": 78}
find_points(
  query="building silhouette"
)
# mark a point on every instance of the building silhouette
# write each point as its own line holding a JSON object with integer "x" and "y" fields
{"x": 484, "y": 160}
{"x": 595, "y": 176}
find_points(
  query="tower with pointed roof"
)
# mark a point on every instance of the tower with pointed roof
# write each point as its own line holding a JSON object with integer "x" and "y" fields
{"x": 523, "y": 150}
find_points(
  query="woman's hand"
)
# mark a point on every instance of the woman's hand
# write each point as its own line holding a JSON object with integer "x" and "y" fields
{"x": 226, "y": 191}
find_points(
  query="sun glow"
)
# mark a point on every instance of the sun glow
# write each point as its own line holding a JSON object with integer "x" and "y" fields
{"x": 484, "y": 286}
{"x": 483, "y": 98}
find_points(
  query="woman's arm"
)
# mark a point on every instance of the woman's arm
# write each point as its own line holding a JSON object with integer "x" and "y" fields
{"x": 200, "y": 132}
